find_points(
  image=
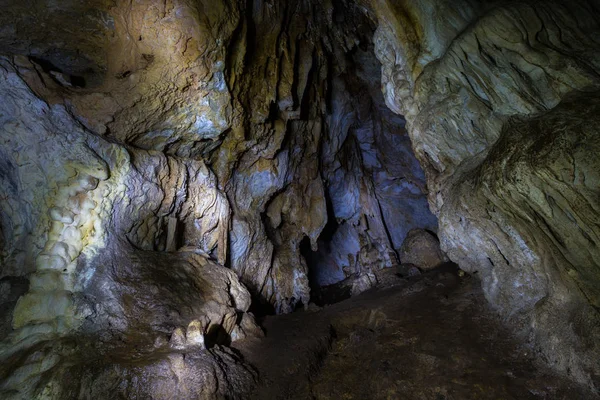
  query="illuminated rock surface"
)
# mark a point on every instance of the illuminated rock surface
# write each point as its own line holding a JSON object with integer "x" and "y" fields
{"x": 501, "y": 103}
{"x": 165, "y": 167}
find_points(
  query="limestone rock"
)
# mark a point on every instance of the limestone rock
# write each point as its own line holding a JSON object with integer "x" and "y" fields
{"x": 177, "y": 340}
{"x": 408, "y": 270}
{"x": 85, "y": 221}
{"x": 422, "y": 249}
{"x": 495, "y": 95}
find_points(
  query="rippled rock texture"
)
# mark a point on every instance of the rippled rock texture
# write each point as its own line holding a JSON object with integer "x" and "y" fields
{"x": 166, "y": 166}
{"x": 281, "y": 102}
{"x": 82, "y": 222}
{"x": 501, "y": 105}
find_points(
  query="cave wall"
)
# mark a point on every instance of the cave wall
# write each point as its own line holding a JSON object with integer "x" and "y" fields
{"x": 306, "y": 137}
{"x": 85, "y": 224}
{"x": 162, "y": 165}
{"x": 500, "y": 103}
{"x": 375, "y": 184}
{"x": 267, "y": 96}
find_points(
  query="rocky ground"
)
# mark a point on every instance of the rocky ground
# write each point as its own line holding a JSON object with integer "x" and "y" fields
{"x": 431, "y": 336}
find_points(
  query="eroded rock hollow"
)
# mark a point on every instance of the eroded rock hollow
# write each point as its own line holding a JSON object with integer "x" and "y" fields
{"x": 170, "y": 170}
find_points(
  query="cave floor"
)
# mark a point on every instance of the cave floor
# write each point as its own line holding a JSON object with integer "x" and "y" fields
{"x": 429, "y": 337}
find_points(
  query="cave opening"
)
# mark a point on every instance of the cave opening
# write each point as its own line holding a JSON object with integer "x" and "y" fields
{"x": 375, "y": 189}
{"x": 322, "y": 294}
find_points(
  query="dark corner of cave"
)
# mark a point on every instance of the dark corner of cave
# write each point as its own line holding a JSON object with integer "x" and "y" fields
{"x": 300, "y": 199}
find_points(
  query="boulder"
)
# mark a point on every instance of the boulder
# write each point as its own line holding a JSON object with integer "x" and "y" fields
{"x": 422, "y": 248}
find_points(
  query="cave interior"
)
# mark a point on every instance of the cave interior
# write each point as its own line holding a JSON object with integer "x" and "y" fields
{"x": 301, "y": 199}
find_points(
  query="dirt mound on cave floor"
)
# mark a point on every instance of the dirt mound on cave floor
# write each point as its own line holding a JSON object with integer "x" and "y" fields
{"x": 428, "y": 337}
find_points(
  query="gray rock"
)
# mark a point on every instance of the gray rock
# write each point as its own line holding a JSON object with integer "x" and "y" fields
{"x": 495, "y": 106}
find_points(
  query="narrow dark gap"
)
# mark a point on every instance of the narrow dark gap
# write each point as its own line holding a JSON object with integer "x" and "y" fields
{"x": 251, "y": 33}
{"x": 273, "y": 112}
{"x": 217, "y": 335}
{"x": 58, "y": 74}
{"x": 260, "y": 307}
{"x": 308, "y": 96}
{"x": 323, "y": 294}
{"x": 78, "y": 81}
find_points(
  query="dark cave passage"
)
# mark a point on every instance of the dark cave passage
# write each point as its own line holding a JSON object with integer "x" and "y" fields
{"x": 374, "y": 186}
{"x": 316, "y": 274}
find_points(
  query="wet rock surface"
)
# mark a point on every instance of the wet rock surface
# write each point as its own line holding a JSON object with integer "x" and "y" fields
{"x": 428, "y": 337}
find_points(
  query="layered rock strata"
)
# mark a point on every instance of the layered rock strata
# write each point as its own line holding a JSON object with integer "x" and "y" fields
{"x": 500, "y": 100}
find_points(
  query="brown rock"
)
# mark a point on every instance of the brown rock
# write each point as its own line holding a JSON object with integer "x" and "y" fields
{"x": 422, "y": 248}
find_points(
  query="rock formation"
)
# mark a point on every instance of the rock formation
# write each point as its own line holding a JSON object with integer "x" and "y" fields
{"x": 500, "y": 103}
{"x": 421, "y": 248}
{"x": 167, "y": 166}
